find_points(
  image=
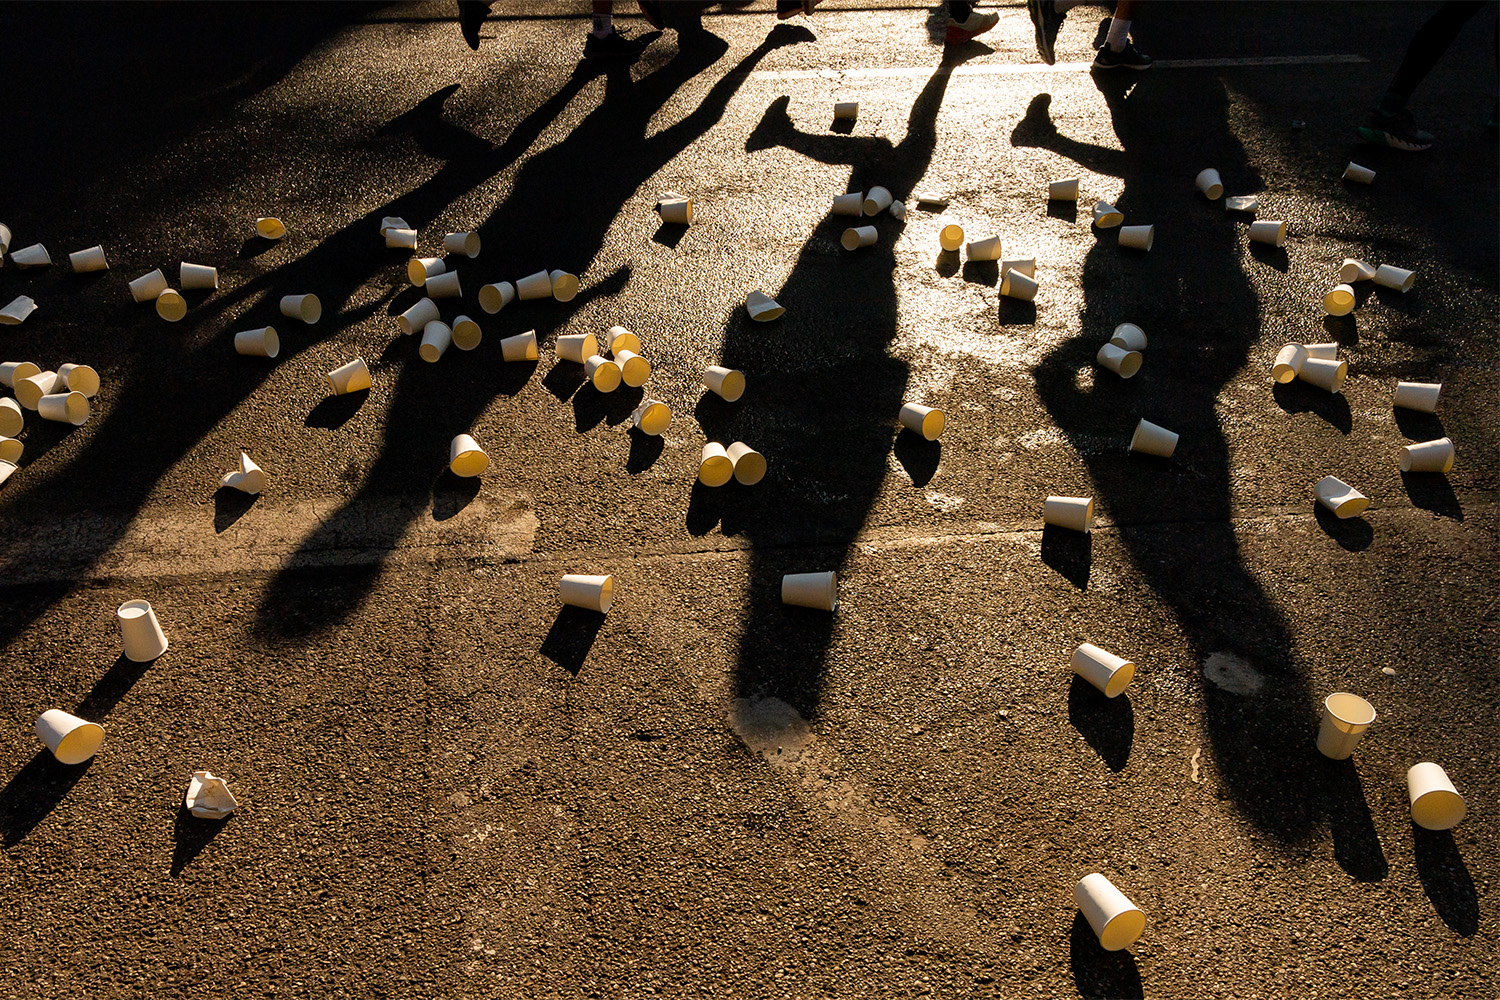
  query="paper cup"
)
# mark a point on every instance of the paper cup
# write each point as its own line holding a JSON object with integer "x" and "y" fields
{"x": 148, "y": 286}
{"x": 1341, "y": 498}
{"x": 715, "y": 467}
{"x": 1018, "y": 285}
{"x": 1358, "y": 174}
{"x": 521, "y": 347}
{"x": 493, "y": 298}
{"x": 143, "y": 638}
{"x": 247, "y": 478}
{"x": 652, "y": 417}
{"x": 951, "y": 237}
{"x": 418, "y": 316}
{"x": 1116, "y": 921}
{"x": 262, "y": 343}
{"x": 466, "y": 458}
{"x": 1128, "y": 337}
{"x": 64, "y": 408}
{"x": 271, "y": 229}
{"x": 923, "y": 420}
{"x": 1328, "y": 351}
{"x": 1429, "y": 456}
{"x": 1324, "y": 373}
{"x": 811, "y": 590}
{"x": 1063, "y": 190}
{"x": 604, "y": 373}
{"x": 678, "y": 211}
{"x": 11, "y": 417}
{"x": 209, "y": 797}
{"x": 307, "y": 308}
{"x": 78, "y": 378}
{"x": 621, "y": 339}
{"x": 390, "y": 222}
{"x": 1209, "y": 183}
{"x": 1106, "y": 216}
{"x": 1352, "y": 270}
{"x": 464, "y": 243}
{"x": 877, "y": 200}
{"x": 1025, "y": 265}
{"x": 846, "y": 109}
{"x": 534, "y": 286}
{"x": 171, "y": 306}
{"x": 436, "y": 336}
{"x": 594, "y": 593}
{"x": 634, "y": 369}
{"x": 1395, "y": 277}
{"x": 852, "y": 203}
{"x": 197, "y": 276}
{"x": 91, "y": 259}
{"x": 1137, "y": 237}
{"x": 1345, "y": 719}
{"x": 1122, "y": 363}
{"x": 1242, "y": 203}
{"x": 1288, "y": 363}
{"x": 351, "y": 377}
{"x": 749, "y": 464}
{"x": 7, "y": 469}
{"x": 5, "y": 238}
{"x": 401, "y": 239}
{"x": 1339, "y": 301}
{"x": 1419, "y": 396}
{"x": 985, "y": 249}
{"x": 35, "y": 255}
{"x": 11, "y": 371}
{"x": 898, "y": 209}
{"x": 16, "y": 312}
{"x": 1268, "y": 231}
{"x": 1152, "y": 439}
{"x": 72, "y": 740}
{"x": 1073, "y": 513}
{"x": 30, "y": 390}
{"x": 862, "y": 236}
{"x": 10, "y": 450}
{"x": 564, "y": 286}
{"x": 725, "y": 383}
{"x": 444, "y": 286}
{"x": 1435, "y": 803}
{"x": 762, "y": 308}
{"x": 1109, "y": 673}
{"x": 576, "y": 347}
{"x": 466, "y": 333}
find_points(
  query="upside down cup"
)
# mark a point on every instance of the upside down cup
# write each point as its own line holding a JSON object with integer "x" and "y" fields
{"x": 1122, "y": 363}
{"x": 923, "y": 420}
{"x": 1073, "y": 513}
{"x": 351, "y": 377}
{"x": 261, "y": 343}
{"x": 593, "y": 593}
{"x": 418, "y": 316}
{"x": 846, "y": 109}
{"x": 1128, "y": 337}
{"x": 811, "y": 590}
{"x": 496, "y": 296}
{"x": 726, "y": 383}
{"x": 1115, "y": 920}
{"x": 1346, "y": 717}
{"x": 197, "y": 276}
{"x": 985, "y": 249}
{"x": 1063, "y": 190}
{"x": 1358, "y": 174}
{"x": 1341, "y": 498}
{"x": 1269, "y": 231}
{"x": 1435, "y": 803}
{"x": 91, "y": 259}
{"x": 140, "y": 632}
{"x": 1137, "y": 237}
{"x": 400, "y": 238}
{"x": 1428, "y": 456}
{"x": 72, "y": 740}
{"x": 852, "y": 203}
{"x": 521, "y": 347}
{"x": 576, "y": 347}
{"x": 1109, "y": 673}
{"x": 466, "y": 458}
{"x": 1025, "y": 265}
{"x": 1153, "y": 439}
{"x": 464, "y": 243}
{"x": 675, "y": 211}
{"x": 444, "y": 286}
{"x": 1419, "y": 396}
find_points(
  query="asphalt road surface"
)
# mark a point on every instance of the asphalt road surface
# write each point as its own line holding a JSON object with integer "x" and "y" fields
{"x": 452, "y": 786}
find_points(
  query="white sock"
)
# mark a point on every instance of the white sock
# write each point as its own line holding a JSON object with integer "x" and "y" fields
{"x": 603, "y": 25}
{"x": 1119, "y": 34}
{"x": 1063, "y": 6}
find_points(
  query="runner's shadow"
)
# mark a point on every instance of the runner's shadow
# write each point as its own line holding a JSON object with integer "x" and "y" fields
{"x": 34, "y": 792}
{"x": 1446, "y": 880}
{"x": 1106, "y": 724}
{"x": 571, "y": 637}
{"x": 1100, "y": 974}
{"x": 190, "y": 835}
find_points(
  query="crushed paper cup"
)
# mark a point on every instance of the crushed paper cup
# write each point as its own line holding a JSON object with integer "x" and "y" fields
{"x": 576, "y": 347}
{"x": 985, "y": 249}
{"x": 1153, "y": 439}
{"x": 209, "y": 797}
{"x": 10, "y": 449}
{"x": 307, "y": 308}
{"x": 846, "y": 109}
{"x": 1106, "y": 216}
{"x": 877, "y": 200}
{"x": 1026, "y": 265}
{"x": 862, "y": 236}
{"x": 1341, "y": 498}
{"x": 261, "y": 343}
{"x": 140, "y": 632}
{"x": 1419, "y": 396}
{"x": 677, "y": 211}
{"x": 1435, "y": 803}
{"x": 466, "y": 333}
{"x": 923, "y": 420}
{"x": 1324, "y": 373}
{"x": 30, "y": 390}
{"x": 444, "y": 286}
{"x": 171, "y": 306}
{"x": 634, "y": 369}
{"x": 1018, "y": 285}
{"x": 1428, "y": 456}
{"x": 148, "y": 286}
{"x": 247, "y": 478}
{"x": 521, "y": 347}
{"x": 195, "y": 276}
{"x": 1209, "y": 183}
{"x": 726, "y": 383}
{"x": 436, "y": 336}
{"x": 1074, "y": 513}
{"x": 1122, "y": 363}
{"x": 72, "y": 740}
{"x": 91, "y": 259}
{"x": 1358, "y": 174}
{"x": 351, "y": 377}
{"x": 852, "y": 203}
{"x": 418, "y": 316}
{"x": 1115, "y": 920}
{"x": 10, "y": 371}
{"x": 715, "y": 467}
{"x": 271, "y": 229}
{"x": 951, "y": 236}
{"x": 11, "y": 417}
{"x": 1128, "y": 337}
{"x": 16, "y": 312}
{"x": 1248, "y": 203}
{"x": 1063, "y": 190}
{"x": 1288, "y": 362}
{"x": 1268, "y": 231}
{"x": 593, "y": 593}
{"x": 535, "y": 286}
{"x": 621, "y": 339}
{"x": 1137, "y": 237}
{"x": 494, "y": 297}
{"x": 1339, "y": 301}
{"x": 651, "y": 417}
{"x": 762, "y": 308}
{"x": 564, "y": 285}
{"x": 811, "y": 590}
{"x": 930, "y": 200}
{"x": 466, "y": 458}
{"x": 35, "y": 255}
{"x": 400, "y": 239}
{"x": 602, "y": 372}
{"x": 64, "y": 408}
{"x": 1346, "y": 717}
{"x": 1328, "y": 351}
{"x": 464, "y": 243}
{"x": 1109, "y": 673}
{"x": 1352, "y": 270}
{"x": 1398, "y": 278}
{"x": 393, "y": 222}
{"x": 749, "y": 464}
{"x": 898, "y": 209}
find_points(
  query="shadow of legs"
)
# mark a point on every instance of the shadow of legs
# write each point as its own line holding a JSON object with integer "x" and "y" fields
{"x": 190, "y": 835}
{"x": 34, "y": 792}
{"x": 1105, "y": 975}
{"x": 571, "y": 637}
{"x": 1107, "y": 724}
{"x": 1446, "y": 880}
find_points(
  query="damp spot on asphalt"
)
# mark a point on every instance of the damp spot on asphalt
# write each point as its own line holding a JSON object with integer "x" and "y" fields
{"x": 1233, "y": 674}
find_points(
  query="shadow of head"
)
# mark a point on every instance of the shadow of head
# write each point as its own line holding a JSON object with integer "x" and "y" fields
{"x": 1100, "y": 974}
{"x": 1106, "y": 724}
{"x": 571, "y": 637}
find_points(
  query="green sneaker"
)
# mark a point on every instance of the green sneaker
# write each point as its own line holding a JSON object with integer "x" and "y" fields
{"x": 1398, "y": 131}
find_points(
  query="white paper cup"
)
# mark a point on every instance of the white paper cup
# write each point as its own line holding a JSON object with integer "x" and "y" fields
{"x": 1324, "y": 373}
{"x": 846, "y": 109}
{"x": 652, "y": 417}
{"x": 1073, "y": 513}
{"x": 307, "y": 308}
{"x": 1341, "y": 498}
{"x": 1268, "y": 231}
{"x": 1137, "y": 237}
{"x": 749, "y": 464}
{"x": 5, "y": 238}
{"x": 148, "y": 286}
{"x": 436, "y": 336}
{"x": 1345, "y": 719}
{"x": 466, "y": 458}
{"x": 923, "y": 420}
{"x": 862, "y": 236}
{"x": 1358, "y": 174}
{"x": 576, "y": 347}
{"x": 677, "y": 211}
{"x": 493, "y": 298}
{"x": 877, "y": 200}
{"x": 16, "y": 312}
{"x": 621, "y": 339}
{"x": 171, "y": 306}
{"x": 603, "y": 372}
{"x": 416, "y": 318}
{"x": 72, "y": 740}
{"x": 261, "y": 343}
{"x": 634, "y": 369}
{"x": 466, "y": 333}
{"x": 1128, "y": 337}
{"x": 1209, "y": 183}
{"x": 594, "y": 593}
{"x": 390, "y": 222}
{"x": 1429, "y": 456}
{"x": 1063, "y": 190}
{"x": 444, "y": 286}
{"x": 1398, "y": 278}
{"x": 1025, "y": 265}
{"x": 852, "y": 203}
{"x": 521, "y": 347}
{"x": 91, "y": 259}
{"x": 1288, "y": 362}
{"x": 400, "y": 239}
{"x": 811, "y": 590}
{"x": 534, "y": 286}
{"x": 1242, "y": 203}
{"x": 1339, "y": 301}
{"x": 10, "y": 450}
{"x": 10, "y": 371}
{"x": 564, "y": 285}
{"x": 464, "y": 243}
{"x": 951, "y": 236}
{"x": 1419, "y": 396}
{"x": 762, "y": 308}
{"x": 1153, "y": 439}
{"x": 11, "y": 417}
{"x": 898, "y": 209}
{"x": 726, "y": 383}
{"x": 7, "y": 469}
{"x": 30, "y": 390}
{"x": 1122, "y": 363}
{"x": 1109, "y": 673}
{"x": 1435, "y": 803}
{"x": 1352, "y": 270}
{"x": 1327, "y": 351}
{"x": 247, "y": 478}
{"x": 1018, "y": 285}
{"x": 985, "y": 249}
{"x": 1106, "y": 216}
{"x": 143, "y": 638}
{"x": 271, "y": 229}
{"x": 1116, "y": 921}
{"x": 197, "y": 276}
{"x": 78, "y": 378}
{"x": 351, "y": 377}
{"x": 64, "y": 408}
{"x": 209, "y": 797}
{"x": 35, "y": 255}
{"x": 715, "y": 467}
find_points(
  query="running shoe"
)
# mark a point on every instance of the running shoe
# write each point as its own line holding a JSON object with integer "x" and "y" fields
{"x": 611, "y": 46}
{"x": 1046, "y": 19}
{"x": 976, "y": 25}
{"x": 1129, "y": 57}
{"x": 1398, "y": 131}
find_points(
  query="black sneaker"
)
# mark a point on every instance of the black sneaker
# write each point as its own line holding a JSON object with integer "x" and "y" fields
{"x": 1046, "y": 20}
{"x": 611, "y": 46}
{"x": 1102, "y": 35}
{"x": 1398, "y": 131}
{"x": 1129, "y": 57}
{"x": 471, "y": 14}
